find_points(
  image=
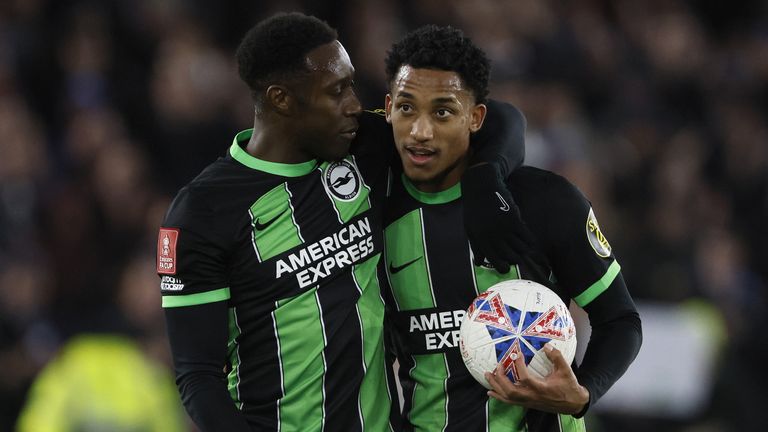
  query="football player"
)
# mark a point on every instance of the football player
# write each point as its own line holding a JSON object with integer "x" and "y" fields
{"x": 438, "y": 86}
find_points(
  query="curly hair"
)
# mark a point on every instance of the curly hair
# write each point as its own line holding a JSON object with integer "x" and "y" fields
{"x": 442, "y": 48}
{"x": 276, "y": 48}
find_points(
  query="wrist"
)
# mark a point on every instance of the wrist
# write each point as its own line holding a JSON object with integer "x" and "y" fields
{"x": 582, "y": 401}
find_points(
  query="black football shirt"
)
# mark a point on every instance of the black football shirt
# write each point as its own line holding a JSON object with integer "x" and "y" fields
{"x": 432, "y": 281}
{"x": 293, "y": 249}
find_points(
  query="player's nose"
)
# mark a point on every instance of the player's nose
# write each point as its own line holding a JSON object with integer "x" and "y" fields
{"x": 353, "y": 106}
{"x": 421, "y": 129}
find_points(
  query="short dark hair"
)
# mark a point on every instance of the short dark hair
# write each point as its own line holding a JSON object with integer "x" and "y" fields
{"x": 442, "y": 48}
{"x": 276, "y": 47}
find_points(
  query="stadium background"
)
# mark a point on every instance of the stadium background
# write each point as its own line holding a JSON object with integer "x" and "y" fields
{"x": 655, "y": 109}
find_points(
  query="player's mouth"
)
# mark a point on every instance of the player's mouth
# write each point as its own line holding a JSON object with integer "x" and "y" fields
{"x": 349, "y": 133}
{"x": 420, "y": 155}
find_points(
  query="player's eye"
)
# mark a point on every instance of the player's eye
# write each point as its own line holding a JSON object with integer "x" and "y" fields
{"x": 405, "y": 108}
{"x": 443, "y": 113}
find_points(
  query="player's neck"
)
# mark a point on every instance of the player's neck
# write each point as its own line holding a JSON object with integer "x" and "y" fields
{"x": 443, "y": 181}
{"x": 274, "y": 142}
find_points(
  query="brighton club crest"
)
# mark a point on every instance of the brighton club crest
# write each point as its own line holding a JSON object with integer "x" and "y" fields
{"x": 342, "y": 180}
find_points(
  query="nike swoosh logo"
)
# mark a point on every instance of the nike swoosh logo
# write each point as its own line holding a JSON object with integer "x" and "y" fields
{"x": 262, "y": 226}
{"x": 504, "y": 205}
{"x": 396, "y": 269}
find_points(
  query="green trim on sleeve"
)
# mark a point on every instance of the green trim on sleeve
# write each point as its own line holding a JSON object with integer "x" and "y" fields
{"x": 598, "y": 287}
{"x": 196, "y": 299}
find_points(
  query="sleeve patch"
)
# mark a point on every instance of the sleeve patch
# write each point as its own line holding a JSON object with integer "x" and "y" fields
{"x": 166, "y": 250}
{"x": 596, "y": 238}
{"x": 170, "y": 283}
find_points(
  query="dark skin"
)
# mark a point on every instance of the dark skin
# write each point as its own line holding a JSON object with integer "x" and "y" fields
{"x": 432, "y": 115}
{"x": 311, "y": 117}
{"x": 559, "y": 392}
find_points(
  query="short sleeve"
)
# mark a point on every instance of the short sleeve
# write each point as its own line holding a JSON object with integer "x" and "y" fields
{"x": 191, "y": 254}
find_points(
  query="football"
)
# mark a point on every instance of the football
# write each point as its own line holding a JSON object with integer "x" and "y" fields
{"x": 514, "y": 318}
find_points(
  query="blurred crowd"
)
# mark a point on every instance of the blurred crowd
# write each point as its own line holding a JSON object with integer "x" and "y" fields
{"x": 657, "y": 110}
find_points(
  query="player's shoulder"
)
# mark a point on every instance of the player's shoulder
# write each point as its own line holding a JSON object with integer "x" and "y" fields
{"x": 198, "y": 198}
{"x": 536, "y": 181}
{"x": 191, "y": 203}
{"x": 541, "y": 192}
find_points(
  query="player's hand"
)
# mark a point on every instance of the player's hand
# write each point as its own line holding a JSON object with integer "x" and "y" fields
{"x": 492, "y": 220}
{"x": 560, "y": 392}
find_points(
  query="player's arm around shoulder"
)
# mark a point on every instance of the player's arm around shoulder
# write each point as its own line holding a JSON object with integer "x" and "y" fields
{"x": 491, "y": 216}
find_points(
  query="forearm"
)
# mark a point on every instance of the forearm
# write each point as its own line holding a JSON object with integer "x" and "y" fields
{"x": 206, "y": 399}
{"x": 612, "y": 348}
{"x": 614, "y": 343}
{"x": 501, "y": 140}
{"x": 492, "y": 221}
{"x": 198, "y": 338}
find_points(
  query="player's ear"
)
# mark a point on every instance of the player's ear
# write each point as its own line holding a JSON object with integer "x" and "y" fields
{"x": 388, "y": 108}
{"x": 279, "y": 98}
{"x": 477, "y": 117}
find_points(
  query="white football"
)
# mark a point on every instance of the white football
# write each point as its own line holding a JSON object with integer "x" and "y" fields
{"x": 513, "y": 318}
